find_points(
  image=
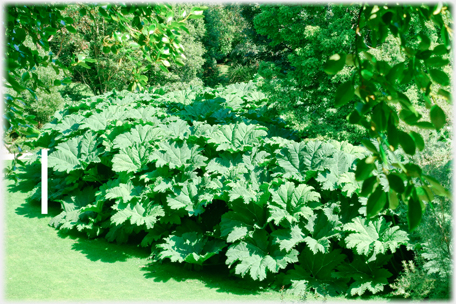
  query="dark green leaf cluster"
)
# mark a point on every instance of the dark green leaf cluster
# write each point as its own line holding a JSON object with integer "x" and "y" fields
{"x": 207, "y": 175}
{"x": 303, "y": 37}
{"x": 152, "y": 30}
{"x": 382, "y": 105}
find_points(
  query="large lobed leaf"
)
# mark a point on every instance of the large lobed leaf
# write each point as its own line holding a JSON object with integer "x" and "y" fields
{"x": 367, "y": 276}
{"x": 256, "y": 256}
{"x": 140, "y": 134}
{"x": 317, "y": 271}
{"x": 72, "y": 206}
{"x": 191, "y": 247}
{"x": 373, "y": 237}
{"x": 192, "y": 196}
{"x": 238, "y": 137}
{"x": 292, "y": 203}
{"x": 243, "y": 220}
{"x": 138, "y": 215}
{"x": 76, "y": 153}
{"x": 132, "y": 159}
{"x": 322, "y": 226}
{"x": 179, "y": 155}
{"x": 301, "y": 161}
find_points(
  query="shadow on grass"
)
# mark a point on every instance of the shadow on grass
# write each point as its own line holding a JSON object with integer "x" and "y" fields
{"x": 101, "y": 250}
{"x": 216, "y": 277}
{"x": 33, "y": 210}
{"x": 29, "y": 208}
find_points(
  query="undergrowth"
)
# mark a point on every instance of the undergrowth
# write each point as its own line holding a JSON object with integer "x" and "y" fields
{"x": 211, "y": 176}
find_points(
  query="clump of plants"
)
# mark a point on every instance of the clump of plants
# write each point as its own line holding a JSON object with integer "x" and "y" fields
{"x": 240, "y": 73}
{"x": 413, "y": 283}
{"x": 207, "y": 176}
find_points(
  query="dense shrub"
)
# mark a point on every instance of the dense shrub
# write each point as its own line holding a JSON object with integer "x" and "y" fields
{"x": 182, "y": 77}
{"x": 241, "y": 73}
{"x": 107, "y": 71}
{"x": 207, "y": 175}
{"x": 224, "y": 30}
{"x": 308, "y": 35}
{"x": 42, "y": 103}
{"x": 225, "y": 35}
{"x": 181, "y": 170}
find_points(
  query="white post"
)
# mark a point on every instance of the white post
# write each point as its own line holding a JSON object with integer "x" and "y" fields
{"x": 44, "y": 181}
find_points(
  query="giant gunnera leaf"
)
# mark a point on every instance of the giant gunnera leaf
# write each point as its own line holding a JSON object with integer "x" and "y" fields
{"x": 67, "y": 125}
{"x": 238, "y": 137}
{"x": 373, "y": 237}
{"x": 138, "y": 214}
{"x": 301, "y": 161}
{"x": 343, "y": 162}
{"x": 317, "y": 232}
{"x": 192, "y": 196}
{"x": 140, "y": 134}
{"x": 292, "y": 203}
{"x": 228, "y": 165}
{"x": 256, "y": 256}
{"x": 322, "y": 227}
{"x": 243, "y": 220}
{"x": 191, "y": 247}
{"x": 288, "y": 238}
{"x": 179, "y": 155}
{"x": 123, "y": 192}
{"x": 200, "y": 110}
{"x": 316, "y": 271}
{"x": 176, "y": 128}
{"x": 366, "y": 276}
{"x": 71, "y": 206}
{"x": 76, "y": 153}
{"x": 132, "y": 159}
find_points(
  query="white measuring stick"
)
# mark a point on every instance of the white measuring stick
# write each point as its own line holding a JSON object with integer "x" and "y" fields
{"x": 44, "y": 181}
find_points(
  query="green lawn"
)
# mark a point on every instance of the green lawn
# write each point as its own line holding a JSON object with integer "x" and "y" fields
{"x": 43, "y": 264}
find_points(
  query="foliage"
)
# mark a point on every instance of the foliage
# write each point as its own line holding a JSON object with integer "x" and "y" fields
{"x": 303, "y": 37}
{"x": 435, "y": 234}
{"x": 377, "y": 86}
{"x": 75, "y": 91}
{"x": 181, "y": 77}
{"x": 240, "y": 73}
{"x": 432, "y": 242}
{"x": 206, "y": 175}
{"x": 225, "y": 35}
{"x": 42, "y": 106}
{"x": 153, "y": 30}
{"x": 209, "y": 174}
{"x": 102, "y": 71}
{"x": 413, "y": 283}
{"x": 374, "y": 238}
{"x": 19, "y": 25}
{"x": 224, "y": 30}
{"x": 117, "y": 70}
{"x": 45, "y": 103}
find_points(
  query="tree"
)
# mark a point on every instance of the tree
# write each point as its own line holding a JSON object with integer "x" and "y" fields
{"x": 225, "y": 30}
{"x": 181, "y": 77}
{"x": 378, "y": 90}
{"x": 303, "y": 37}
{"x": 152, "y": 29}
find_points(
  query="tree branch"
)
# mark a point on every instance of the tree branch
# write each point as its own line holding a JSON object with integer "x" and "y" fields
{"x": 61, "y": 45}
